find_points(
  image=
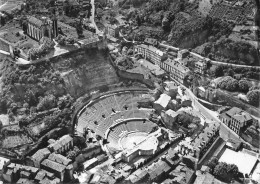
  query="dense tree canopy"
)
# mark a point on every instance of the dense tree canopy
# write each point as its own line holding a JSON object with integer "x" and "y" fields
{"x": 253, "y": 97}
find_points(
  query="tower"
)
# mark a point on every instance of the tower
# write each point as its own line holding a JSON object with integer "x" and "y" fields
{"x": 54, "y": 21}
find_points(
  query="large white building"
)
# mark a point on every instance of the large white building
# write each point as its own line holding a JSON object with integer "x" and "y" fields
{"x": 162, "y": 102}
{"x": 151, "y": 53}
{"x": 176, "y": 70}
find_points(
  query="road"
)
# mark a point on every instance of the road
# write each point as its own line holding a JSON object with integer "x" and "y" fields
{"x": 92, "y": 18}
{"x": 211, "y": 116}
{"x": 221, "y": 63}
{"x": 212, "y": 61}
{"x": 4, "y": 52}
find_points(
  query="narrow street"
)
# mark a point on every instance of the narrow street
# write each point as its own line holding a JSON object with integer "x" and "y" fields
{"x": 92, "y": 18}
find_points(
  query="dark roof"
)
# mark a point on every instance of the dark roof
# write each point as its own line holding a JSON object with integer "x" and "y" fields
{"x": 204, "y": 136}
{"x": 53, "y": 165}
{"x": 35, "y": 21}
{"x": 59, "y": 159}
{"x": 239, "y": 114}
{"x": 151, "y": 41}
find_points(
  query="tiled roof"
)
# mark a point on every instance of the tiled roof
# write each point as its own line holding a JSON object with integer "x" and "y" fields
{"x": 204, "y": 179}
{"x": 176, "y": 65}
{"x": 151, "y": 41}
{"x": 151, "y": 48}
{"x": 61, "y": 142}
{"x": 53, "y": 165}
{"x": 59, "y": 159}
{"x": 40, "y": 175}
{"x": 205, "y": 135}
{"x": 35, "y": 21}
{"x": 239, "y": 114}
{"x": 40, "y": 155}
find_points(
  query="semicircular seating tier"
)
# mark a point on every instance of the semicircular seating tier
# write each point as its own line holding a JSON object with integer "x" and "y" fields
{"x": 108, "y": 111}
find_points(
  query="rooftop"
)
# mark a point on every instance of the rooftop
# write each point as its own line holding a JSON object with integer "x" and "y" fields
{"x": 151, "y": 41}
{"x": 59, "y": 159}
{"x": 163, "y": 100}
{"x": 152, "y": 48}
{"x": 182, "y": 174}
{"x": 35, "y": 21}
{"x": 205, "y": 135}
{"x": 239, "y": 114}
{"x": 3, "y": 161}
{"x": 201, "y": 63}
{"x": 176, "y": 65}
{"x": 172, "y": 113}
{"x": 205, "y": 179}
{"x": 41, "y": 154}
{"x": 53, "y": 165}
{"x": 61, "y": 142}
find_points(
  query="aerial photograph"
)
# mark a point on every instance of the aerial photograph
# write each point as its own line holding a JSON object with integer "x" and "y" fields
{"x": 130, "y": 91}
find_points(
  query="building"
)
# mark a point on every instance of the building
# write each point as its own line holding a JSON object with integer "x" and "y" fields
{"x": 158, "y": 170}
{"x": 182, "y": 174}
{"x": 206, "y": 178}
{"x": 92, "y": 150}
{"x": 201, "y": 92}
{"x": 200, "y": 67}
{"x": 183, "y": 54}
{"x": 169, "y": 117}
{"x": 3, "y": 161}
{"x": 112, "y": 30}
{"x": 151, "y": 53}
{"x": 16, "y": 173}
{"x": 90, "y": 163}
{"x": 54, "y": 167}
{"x": 151, "y": 41}
{"x": 39, "y": 156}
{"x": 236, "y": 119}
{"x": 200, "y": 145}
{"x": 162, "y": 102}
{"x": 175, "y": 69}
{"x": 37, "y": 28}
{"x": 62, "y": 145}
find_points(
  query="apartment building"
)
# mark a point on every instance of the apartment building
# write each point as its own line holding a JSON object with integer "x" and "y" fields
{"x": 236, "y": 119}
{"x": 176, "y": 70}
{"x": 151, "y": 53}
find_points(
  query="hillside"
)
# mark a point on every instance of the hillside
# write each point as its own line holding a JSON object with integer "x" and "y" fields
{"x": 191, "y": 24}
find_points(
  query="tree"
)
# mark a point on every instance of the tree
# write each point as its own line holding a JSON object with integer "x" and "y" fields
{"x": 232, "y": 85}
{"x": 232, "y": 170}
{"x": 138, "y": 20}
{"x": 223, "y": 82}
{"x": 253, "y": 97}
{"x": 1, "y": 125}
{"x": 221, "y": 170}
{"x": 218, "y": 71}
{"x": 212, "y": 163}
{"x": 244, "y": 85}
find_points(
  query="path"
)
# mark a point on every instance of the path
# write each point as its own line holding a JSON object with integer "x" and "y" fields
{"x": 212, "y": 61}
{"x": 92, "y": 18}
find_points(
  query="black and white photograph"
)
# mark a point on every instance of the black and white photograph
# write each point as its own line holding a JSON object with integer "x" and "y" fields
{"x": 129, "y": 91}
